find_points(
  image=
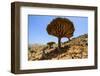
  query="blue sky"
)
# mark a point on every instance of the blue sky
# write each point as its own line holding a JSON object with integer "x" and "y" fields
{"x": 37, "y": 24}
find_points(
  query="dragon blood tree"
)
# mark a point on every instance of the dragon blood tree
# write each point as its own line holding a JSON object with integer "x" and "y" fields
{"x": 60, "y": 27}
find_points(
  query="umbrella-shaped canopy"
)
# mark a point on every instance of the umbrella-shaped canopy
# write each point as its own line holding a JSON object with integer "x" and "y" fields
{"x": 61, "y": 27}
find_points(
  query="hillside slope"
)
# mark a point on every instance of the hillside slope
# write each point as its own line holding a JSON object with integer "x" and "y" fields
{"x": 76, "y": 48}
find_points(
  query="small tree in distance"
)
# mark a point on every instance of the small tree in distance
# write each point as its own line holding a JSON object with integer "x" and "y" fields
{"x": 61, "y": 27}
{"x": 50, "y": 44}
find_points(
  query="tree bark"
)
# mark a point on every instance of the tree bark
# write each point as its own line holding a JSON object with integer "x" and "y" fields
{"x": 68, "y": 39}
{"x": 59, "y": 43}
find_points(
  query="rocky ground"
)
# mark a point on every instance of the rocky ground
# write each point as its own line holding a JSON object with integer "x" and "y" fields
{"x": 76, "y": 48}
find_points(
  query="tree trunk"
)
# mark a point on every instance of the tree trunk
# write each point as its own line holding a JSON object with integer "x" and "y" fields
{"x": 68, "y": 39}
{"x": 59, "y": 43}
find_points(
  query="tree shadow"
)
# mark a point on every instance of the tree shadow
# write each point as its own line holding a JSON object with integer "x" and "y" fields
{"x": 54, "y": 53}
